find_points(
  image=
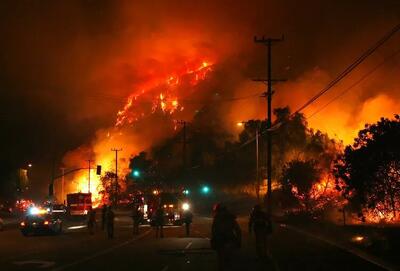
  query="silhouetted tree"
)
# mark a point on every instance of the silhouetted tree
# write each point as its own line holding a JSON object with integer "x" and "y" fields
{"x": 108, "y": 184}
{"x": 214, "y": 155}
{"x": 298, "y": 177}
{"x": 368, "y": 173}
{"x": 141, "y": 163}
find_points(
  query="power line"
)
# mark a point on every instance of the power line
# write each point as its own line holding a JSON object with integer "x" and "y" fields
{"x": 333, "y": 83}
{"x": 365, "y": 76}
{"x": 350, "y": 68}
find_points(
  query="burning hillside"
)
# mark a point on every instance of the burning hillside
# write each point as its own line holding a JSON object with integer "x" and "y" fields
{"x": 174, "y": 64}
{"x": 163, "y": 95}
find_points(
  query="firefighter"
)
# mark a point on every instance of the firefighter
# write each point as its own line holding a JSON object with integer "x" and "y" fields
{"x": 137, "y": 217}
{"x": 110, "y": 222}
{"x": 260, "y": 224}
{"x": 159, "y": 221}
{"x": 187, "y": 220}
{"x": 226, "y": 236}
{"x": 103, "y": 216}
{"x": 91, "y": 220}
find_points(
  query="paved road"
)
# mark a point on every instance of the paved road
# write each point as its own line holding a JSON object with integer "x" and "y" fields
{"x": 76, "y": 250}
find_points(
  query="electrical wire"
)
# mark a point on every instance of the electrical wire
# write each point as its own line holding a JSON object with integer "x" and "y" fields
{"x": 343, "y": 74}
{"x": 365, "y": 76}
{"x": 350, "y": 68}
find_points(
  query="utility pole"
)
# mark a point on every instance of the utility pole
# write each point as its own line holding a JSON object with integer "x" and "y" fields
{"x": 257, "y": 183}
{"x": 184, "y": 142}
{"x": 53, "y": 173}
{"x": 89, "y": 161}
{"x": 62, "y": 184}
{"x": 257, "y": 167}
{"x": 116, "y": 173}
{"x": 268, "y": 42}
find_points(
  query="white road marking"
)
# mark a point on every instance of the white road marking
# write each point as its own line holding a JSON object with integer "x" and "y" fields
{"x": 77, "y": 227}
{"x": 103, "y": 252}
{"x": 41, "y": 264}
{"x": 188, "y": 245}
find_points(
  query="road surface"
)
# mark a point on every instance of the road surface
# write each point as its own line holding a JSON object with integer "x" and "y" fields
{"x": 75, "y": 249}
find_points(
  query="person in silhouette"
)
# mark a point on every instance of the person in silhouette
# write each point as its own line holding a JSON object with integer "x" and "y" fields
{"x": 260, "y": 224}
{"x": 226, "y": 236}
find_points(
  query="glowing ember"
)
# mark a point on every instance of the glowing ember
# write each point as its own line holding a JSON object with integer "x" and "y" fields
{"x": 321, "y": 193}
{"x": 358, "y": 238}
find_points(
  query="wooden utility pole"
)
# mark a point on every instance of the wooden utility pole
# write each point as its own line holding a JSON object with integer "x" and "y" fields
{"x": 116, "y": 174}
{"x": 184, "y": 142}
{"x": 257, "y": 167}
{"x": 268, "y": 94}
{"x": 89, "y": 161}
{"x": 62, "y": 184}
{"x": 257, "y": 183}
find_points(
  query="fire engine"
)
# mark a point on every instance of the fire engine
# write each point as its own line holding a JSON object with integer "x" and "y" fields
{"x": 173, "y": 205}
{"x": 79, "y": 203}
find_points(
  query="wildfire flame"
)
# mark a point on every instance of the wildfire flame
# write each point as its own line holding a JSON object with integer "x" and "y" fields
{"x": 157, "y": 94}
{"x": 321, "y": 193}
{"x": 167, "y": 99}
{"x": 95, "y": 186}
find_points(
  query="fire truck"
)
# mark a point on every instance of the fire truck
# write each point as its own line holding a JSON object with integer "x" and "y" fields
{"x": 173, "y": 205}
{"x": 146, "y": 203}
{"x": 79, "y": 203}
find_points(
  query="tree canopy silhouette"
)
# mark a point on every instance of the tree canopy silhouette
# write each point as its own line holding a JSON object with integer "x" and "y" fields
{"x": 368, "y": 173}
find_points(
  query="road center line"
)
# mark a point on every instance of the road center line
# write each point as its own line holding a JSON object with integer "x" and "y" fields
{"x": 188, "y": 245}
{"x": 100, "y": 253}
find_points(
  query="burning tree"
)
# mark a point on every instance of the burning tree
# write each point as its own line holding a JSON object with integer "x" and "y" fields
{"x": 298, "y": 179}
{"x": 110, "y": 191}
{"x": 303, "y": 162}
{"x": 368, "y": 173}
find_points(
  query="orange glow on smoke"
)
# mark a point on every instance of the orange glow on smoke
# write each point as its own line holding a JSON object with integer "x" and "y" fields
{"x": 159, "y": 93}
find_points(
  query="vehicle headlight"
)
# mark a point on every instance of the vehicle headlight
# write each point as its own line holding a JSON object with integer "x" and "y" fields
{"x": 34, "y": 211}
{"x": 185, "y": 206}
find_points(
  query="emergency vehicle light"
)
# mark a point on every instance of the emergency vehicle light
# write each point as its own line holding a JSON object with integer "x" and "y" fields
{"x": 185, "y": 206}
{"x": 36, "y": 211}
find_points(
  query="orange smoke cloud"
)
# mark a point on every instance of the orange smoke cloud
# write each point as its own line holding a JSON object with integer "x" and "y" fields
{"x": 341, "y": 119}
{"x": 127, "y": 135}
